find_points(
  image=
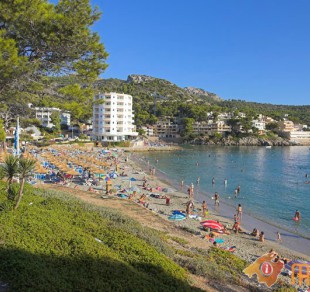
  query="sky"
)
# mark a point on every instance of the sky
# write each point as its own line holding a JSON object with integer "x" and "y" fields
{"x": 254, "y": 50}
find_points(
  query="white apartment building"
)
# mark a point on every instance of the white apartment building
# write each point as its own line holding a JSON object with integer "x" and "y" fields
{"x": 43, "y": 114}
{"x": 259, "y": 124}
{"x": 113, "y": 118}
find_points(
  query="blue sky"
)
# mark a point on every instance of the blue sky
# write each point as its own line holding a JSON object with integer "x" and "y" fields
{"x": 241, "y": 49}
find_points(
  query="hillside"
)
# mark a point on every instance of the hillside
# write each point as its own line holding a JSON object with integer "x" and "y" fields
{"x": 154, "y": 98}
{"x": 141, "y": 86}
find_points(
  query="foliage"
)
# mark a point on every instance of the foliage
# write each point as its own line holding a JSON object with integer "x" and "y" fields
{"x": 25, "y": 168}
{"x": 299, "y": 114}
{"x": 215, "y": 264}
{"x": 156, "y": 98}
{"x": 179, "y": 240}
{"x": 56, "y": 243}
{"x": 117, "y": 144}
{"x": 187, "y": 126}
{"x": 2, "y": 132}
{"x": 40, "y": 40}
{"x": 10, "y": 168}
{"x": 55, "y": 117}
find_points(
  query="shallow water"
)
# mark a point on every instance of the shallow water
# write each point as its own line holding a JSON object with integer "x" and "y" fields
{"x": 272, "y": 180}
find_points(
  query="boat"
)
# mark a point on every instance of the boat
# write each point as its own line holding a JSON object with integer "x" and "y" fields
{"x": 268, "y": 147}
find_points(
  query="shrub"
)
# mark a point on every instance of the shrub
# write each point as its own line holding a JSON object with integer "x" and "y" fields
{"x": 55, "y": 242}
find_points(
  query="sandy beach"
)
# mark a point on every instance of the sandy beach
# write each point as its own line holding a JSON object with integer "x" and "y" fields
{"x": 154, "y": 211}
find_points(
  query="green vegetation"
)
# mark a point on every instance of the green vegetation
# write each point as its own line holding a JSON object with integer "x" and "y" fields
{"x": 40, "y": 43}
{"x": 54, "y": 242}
{"x": 14, "y": 166}
{"x": 300, "y": 114}
{"x": 155, "y": 98}
{"x": 216, "y": 264}
{"x": 179, "y": 240}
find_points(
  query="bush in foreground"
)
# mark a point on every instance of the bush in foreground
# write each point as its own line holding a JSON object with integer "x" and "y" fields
{"x": 56, "y": 243}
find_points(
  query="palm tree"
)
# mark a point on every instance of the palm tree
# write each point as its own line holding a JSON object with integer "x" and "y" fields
{"x": 26, "y": 166}
{"x": 9, "y": 169}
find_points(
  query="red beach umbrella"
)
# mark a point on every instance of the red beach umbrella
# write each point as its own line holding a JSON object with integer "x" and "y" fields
{"x": 212, "y": 224}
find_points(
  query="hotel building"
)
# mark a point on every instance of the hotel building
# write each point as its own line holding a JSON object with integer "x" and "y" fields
{"x": 113, "y": 117}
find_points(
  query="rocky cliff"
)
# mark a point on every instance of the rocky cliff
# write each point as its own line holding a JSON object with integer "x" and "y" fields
{"x": 202, "y": 92}
{"x": 135, "y": 78}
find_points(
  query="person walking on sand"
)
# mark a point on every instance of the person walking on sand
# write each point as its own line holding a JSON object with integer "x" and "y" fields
{"x": 204, "y": 209}
{"x": 216, "y": 199}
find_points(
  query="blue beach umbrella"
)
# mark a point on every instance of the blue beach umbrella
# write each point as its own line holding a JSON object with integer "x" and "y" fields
{"x": 176, "y": 217}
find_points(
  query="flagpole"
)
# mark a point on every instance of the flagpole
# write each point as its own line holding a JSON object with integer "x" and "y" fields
{"x": 16, "y": 138}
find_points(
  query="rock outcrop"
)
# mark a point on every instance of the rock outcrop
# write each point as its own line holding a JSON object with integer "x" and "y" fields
{"x": 202, "y": 92}
{"x": 246, "y": 141}
{"x": 135, "y": 78}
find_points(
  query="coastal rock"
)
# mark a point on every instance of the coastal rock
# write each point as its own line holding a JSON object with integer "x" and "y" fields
{"x": 245, "y": 141}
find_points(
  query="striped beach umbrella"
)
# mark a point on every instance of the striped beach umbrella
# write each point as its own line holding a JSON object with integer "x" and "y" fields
{"x": 212, "y": 224}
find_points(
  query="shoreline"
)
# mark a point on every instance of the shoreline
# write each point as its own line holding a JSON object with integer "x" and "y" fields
{"x": 291, "y": 244}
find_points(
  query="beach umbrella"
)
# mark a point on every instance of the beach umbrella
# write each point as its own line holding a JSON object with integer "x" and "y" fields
{"x": 178, "y": 212}
{"x": 132, "y": 179}
{"x": 212, "y": 224}
{"x": 176, "y": 217}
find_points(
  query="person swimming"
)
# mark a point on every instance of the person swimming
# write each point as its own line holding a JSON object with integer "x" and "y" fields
{"x": 297, "y": 216}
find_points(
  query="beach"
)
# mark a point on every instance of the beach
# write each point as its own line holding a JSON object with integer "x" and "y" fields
{"x": 154, "y": 211}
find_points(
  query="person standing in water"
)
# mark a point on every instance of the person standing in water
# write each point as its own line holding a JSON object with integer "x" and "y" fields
{"x": 297, "y": 216}
{"x": 216, "y": 199}
{"x": 239, "y": 212}
{"x": 213, "y": 181}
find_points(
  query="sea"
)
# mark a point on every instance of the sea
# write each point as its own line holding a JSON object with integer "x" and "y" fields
{"x": 274, "y": 183}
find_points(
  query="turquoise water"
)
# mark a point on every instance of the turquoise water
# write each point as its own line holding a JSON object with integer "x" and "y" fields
{"x": 272, "y": 180}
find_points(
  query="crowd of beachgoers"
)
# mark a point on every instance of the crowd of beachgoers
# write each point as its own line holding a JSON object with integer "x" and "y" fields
{"x": 118, "y": 173}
